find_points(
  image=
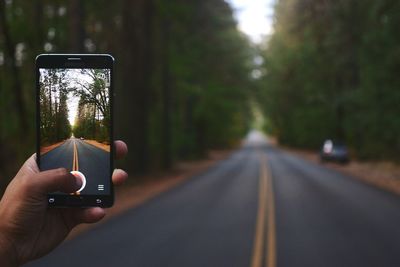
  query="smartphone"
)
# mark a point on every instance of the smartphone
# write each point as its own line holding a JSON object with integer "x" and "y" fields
{"x": 75, "y": 124}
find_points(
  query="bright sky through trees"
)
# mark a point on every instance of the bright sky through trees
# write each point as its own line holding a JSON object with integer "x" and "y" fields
{"x": 254, "y": 17}
{"x": 75, "y": 74}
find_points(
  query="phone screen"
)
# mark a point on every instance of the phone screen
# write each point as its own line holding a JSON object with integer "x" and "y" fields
{"x": 75, "y": 125}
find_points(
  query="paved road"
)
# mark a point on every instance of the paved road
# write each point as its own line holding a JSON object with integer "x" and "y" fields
{"x": 311, "y": 216}
{"x": 92, "y": 161}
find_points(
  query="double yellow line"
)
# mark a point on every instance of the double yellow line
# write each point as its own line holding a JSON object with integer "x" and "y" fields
{"x": 75, "y": 160}
{"x": 265, "y": 235}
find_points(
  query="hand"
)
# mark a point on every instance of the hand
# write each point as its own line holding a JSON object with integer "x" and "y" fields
{"x": 28, "y": 229}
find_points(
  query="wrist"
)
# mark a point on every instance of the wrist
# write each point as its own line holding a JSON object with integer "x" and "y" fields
{"x": 8, "y": 256}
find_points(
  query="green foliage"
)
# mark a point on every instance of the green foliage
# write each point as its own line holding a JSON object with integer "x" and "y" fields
{"x": 181, "y": 76}
{"x": 331, "y": 72}
{"x": 88, "y": 124}
{"x": 54, "y": 124}
{"x": 93, "y": 115}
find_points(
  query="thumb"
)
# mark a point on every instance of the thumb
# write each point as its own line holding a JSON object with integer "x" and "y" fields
{"x": 55, "y": 180}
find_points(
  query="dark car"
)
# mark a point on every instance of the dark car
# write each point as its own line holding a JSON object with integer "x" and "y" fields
{"x": 334, "y": 151}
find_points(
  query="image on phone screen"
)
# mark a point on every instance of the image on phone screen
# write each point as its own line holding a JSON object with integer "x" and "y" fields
{"x": 74, "y": 121}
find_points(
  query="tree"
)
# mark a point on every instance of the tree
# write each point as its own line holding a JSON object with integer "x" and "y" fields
{"x": 181, "y": 76}
{"x": 328, "y": 77}
{"x": 53, "y": 95}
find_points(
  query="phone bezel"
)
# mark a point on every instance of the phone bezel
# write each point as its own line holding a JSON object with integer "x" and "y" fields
{"x": 77, "y": 61}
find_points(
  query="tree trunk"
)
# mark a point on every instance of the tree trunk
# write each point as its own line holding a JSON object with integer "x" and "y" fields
{"x": 39, "y": 29}
{"x": 136, "y": 41}
{"x": 76, "y": 26}
{"x": 166, "y": 97}
{"x": 9, "y": 55}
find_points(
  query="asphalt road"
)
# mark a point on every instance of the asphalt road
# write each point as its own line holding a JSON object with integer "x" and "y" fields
{"x": 311, "y": 216}
{"x": 94, "y": 163}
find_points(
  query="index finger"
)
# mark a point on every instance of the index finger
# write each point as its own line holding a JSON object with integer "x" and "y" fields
{"x": 121, "y": 149}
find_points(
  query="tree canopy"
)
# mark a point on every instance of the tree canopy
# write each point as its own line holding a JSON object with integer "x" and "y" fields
{"x": 330, "y": 71}
{"x": 181, "y": 75}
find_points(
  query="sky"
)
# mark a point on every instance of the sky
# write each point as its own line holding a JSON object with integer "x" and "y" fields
{"x": 254, "y": 17}
{"x": 72, "y": 108}
{"x": 73, "y": 101}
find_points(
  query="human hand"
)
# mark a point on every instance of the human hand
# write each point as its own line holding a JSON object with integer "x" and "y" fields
{"x": 28, "y": 228}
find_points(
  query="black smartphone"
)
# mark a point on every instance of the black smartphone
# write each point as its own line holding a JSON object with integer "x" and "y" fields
{"x": 75, "y": 124}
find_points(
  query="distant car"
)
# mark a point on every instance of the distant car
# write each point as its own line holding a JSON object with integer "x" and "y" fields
{"x": 334, "y": 151}
{"x": 82, "y": 138}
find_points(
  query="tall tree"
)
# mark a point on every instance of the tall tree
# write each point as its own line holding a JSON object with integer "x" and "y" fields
{"x": 136, "y": 42}
{"x": 76, "y": 16}
{"x": 11, "y": 64}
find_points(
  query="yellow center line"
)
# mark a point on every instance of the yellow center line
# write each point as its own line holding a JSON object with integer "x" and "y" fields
{"x": 271, "y": 236}
{"x": 266, "y": 213}
{"x": 75, "y": 160}
{"x": 257, "y": 257}
{"x": 75, "y": 163}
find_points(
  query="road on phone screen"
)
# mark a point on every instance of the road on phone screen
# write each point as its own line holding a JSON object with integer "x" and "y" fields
{"x": 76, "y": 154}
{"x": 259, "y": 207}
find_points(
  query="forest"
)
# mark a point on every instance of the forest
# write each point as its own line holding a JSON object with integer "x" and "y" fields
{"x": 93, "y": 115}
{"x": 331, "y": 71}
{"x": 54, "y": 124}
{"x": 182, "y": 79}
{"x": 74, "y": 102}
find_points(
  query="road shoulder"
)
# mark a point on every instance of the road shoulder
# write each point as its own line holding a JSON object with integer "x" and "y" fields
{"x": 98, "y": 145}
{"x": 46, "y": 149}
{"x": 384, "y": 175}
